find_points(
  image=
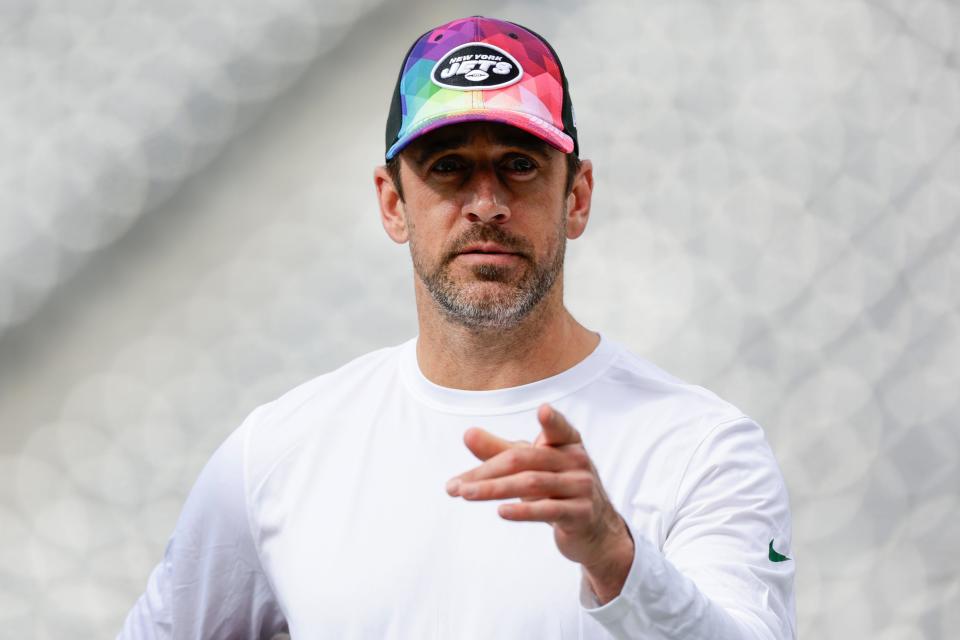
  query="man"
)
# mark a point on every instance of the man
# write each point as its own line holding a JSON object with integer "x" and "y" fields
{"x": 350, "y": 507}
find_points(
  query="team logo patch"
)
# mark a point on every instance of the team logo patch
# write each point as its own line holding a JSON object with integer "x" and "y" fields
{"x": 476, "y": 66}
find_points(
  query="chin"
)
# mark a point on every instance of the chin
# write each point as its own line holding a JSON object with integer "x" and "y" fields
{"x": 489, "y": 293}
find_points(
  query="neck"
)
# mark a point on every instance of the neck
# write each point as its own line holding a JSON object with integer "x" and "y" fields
{"x": 548, "y": 341}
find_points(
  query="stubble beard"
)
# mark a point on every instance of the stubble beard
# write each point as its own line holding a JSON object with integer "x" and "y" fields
{"x": 511, "y": 303}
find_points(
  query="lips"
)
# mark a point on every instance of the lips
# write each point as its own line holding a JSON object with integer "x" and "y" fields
{"x": 489, "y": 254}
{"x": 487, "y": 248}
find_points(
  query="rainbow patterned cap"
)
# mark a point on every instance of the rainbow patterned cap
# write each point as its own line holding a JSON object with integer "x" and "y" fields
{"x": 481, "y": 69}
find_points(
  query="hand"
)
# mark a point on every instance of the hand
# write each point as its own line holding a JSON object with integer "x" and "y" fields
{"x": 557, "y": 484}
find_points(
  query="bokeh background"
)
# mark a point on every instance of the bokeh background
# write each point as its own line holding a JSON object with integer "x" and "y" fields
{"x": 188, "y": 228}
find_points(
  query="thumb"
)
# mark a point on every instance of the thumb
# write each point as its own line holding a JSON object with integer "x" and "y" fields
{"x": 555, "y": 429}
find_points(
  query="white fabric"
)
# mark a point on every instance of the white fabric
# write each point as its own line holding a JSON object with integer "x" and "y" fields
{"x": 325, "y": 513}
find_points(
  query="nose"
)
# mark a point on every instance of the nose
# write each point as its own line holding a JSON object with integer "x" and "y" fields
{"x": 486, "y": 200}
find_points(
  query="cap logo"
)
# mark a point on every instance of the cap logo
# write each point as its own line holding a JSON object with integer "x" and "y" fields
{"x": 476, "y": 66}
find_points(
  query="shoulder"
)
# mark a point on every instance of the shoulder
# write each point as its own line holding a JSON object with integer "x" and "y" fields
{"x": 664, "y": 428}
{"x": 687, "y": 448}
{"x": 360, "y": 370}
{"x": 638, "y": 418}
{"x": 642, "y": 383}
{"x": 279, "y": 427}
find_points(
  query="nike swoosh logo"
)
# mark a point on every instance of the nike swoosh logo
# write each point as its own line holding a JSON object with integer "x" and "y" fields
{"x": 774, "y": 556}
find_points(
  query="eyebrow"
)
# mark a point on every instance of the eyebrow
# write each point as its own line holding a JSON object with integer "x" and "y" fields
{"x": 453, "y": 141}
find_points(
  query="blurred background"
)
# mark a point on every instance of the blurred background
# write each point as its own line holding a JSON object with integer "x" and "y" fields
{"x": 188, "y": 229}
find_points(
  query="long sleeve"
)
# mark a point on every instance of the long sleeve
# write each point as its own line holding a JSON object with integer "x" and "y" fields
{"x": 721, "y": 573}
{"x": 210, "y": 583}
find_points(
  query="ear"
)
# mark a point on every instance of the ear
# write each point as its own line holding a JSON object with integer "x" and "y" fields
{"x": 392, "y": 214}
{"x": 578, "y": 202}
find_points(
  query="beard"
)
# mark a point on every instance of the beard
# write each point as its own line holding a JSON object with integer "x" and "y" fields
{"x": 476, "y": 305}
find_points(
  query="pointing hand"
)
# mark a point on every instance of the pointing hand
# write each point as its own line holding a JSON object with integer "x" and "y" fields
{"x": 556, "y": 483}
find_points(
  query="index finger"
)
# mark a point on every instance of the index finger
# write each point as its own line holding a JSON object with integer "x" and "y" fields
{"x": 517, "y": 459}
{"x": 485, "y": 445}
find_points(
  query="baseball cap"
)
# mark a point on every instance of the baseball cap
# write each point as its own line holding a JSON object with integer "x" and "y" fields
{"x": 481, "y": 69}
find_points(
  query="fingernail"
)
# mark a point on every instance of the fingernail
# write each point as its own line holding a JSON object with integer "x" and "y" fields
{"x": 453, "y": 485}
{"x": 469, "y": 491}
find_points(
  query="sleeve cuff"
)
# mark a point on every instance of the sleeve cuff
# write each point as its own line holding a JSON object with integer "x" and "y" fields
{"x": 619, "y": 606}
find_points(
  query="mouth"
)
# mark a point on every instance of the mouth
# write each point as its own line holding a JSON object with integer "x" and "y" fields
{"x": 488, "y": 254}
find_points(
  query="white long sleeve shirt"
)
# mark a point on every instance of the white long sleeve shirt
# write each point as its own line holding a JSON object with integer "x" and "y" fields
{"x": 325, "y": 514}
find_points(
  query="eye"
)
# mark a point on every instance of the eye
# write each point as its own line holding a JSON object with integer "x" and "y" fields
{"x": 447, "y": 165}
{"x": 520, "y": 164}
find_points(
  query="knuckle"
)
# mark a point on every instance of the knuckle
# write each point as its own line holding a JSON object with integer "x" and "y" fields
{"x": 513, "y": 459}
{"x": 580, "y": 458}
{"x": 548, "y": 511}
{"x": 535, "y": 483}
{"x": 564, "y": 514}
{"x": 540, "y": 457}
{"x": 584, "y": 483}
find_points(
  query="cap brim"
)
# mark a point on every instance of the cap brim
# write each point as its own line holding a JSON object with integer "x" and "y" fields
{"x": 529, "y": 123}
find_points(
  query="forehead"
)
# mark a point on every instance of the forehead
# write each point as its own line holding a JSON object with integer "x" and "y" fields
{"x": 467, "y": 134}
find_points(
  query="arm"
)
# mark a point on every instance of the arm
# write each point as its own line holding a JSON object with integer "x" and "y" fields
{"x": 210, "y": 583}
{"x": 714, "y": 577}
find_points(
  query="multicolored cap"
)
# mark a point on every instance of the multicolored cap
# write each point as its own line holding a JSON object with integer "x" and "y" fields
{"x": 481, "y": 69}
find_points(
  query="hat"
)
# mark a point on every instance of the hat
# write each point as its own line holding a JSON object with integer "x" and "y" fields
{"x": 481, "y": 69}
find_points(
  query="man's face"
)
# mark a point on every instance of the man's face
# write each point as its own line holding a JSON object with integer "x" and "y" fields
{"x": 485, "y": 212}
